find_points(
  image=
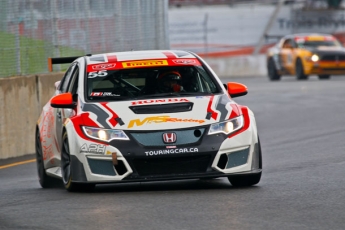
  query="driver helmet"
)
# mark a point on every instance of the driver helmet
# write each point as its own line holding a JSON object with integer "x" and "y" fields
{"x": 170, "y": 81}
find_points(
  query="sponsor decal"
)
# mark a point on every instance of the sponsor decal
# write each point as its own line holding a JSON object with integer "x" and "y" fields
{"x": 46, "y": 130}
{"x": 160, "y": 119}
{"x": 171, "y": 151}
{"x": 108, "y": 153}
{"x": 169, "y": 137}
{"x": 184, "y": 61}
{"x": 133, "y": 64}
{"x": 92, "y": 148}
{"x": 101, "y": 73}
{"x": 103, "y": 94}
{"x": 104, "y": 66}
{"x": 171, "y": 146}
{"x": 154, "y": 101}
{"x": 47, "y": 152}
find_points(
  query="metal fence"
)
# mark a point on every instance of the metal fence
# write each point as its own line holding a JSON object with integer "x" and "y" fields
{"x": 33, "y": 30}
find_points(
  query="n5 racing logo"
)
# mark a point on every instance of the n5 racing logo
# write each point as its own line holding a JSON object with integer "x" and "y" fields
{"x": 160, "y": 119}
{"x": 171, "y": 151}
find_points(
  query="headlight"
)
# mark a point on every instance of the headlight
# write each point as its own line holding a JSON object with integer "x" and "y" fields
{"x": 104, "y": 134}
{"x": 315, "y": 58}
{"x": 227, "y": 127}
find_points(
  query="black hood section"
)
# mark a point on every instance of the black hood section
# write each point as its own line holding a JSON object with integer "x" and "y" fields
{"x": 327, "y": 52}
{"x": 329, "y": 55}
{"x": 162, "y": 108}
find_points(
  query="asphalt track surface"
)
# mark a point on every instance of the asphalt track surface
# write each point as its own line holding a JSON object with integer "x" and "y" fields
{"x": 302, "y": 131}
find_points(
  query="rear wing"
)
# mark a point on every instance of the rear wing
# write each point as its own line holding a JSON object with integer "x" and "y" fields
{"x": 60, "y": 60}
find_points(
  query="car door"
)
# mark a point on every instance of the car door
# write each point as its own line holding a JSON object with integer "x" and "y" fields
{"x": 65, "y": 86}
{"x": 286, "y": 56}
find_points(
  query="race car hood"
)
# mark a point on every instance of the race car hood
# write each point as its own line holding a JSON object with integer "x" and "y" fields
{"x": 159, "y": 114}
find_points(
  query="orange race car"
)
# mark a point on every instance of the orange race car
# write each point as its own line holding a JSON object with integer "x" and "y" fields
{"x": 306, "y": 54}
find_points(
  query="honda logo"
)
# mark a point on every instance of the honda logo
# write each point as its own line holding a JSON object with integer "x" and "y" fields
{"x": 169, "y": 137}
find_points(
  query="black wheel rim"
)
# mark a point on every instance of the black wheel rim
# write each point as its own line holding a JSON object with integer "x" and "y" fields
{"x": 65, "y": 162}
{"x": 39, "y": 156}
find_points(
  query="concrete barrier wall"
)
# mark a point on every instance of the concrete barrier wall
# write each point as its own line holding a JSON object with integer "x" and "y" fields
{"x": 21, "y": 101}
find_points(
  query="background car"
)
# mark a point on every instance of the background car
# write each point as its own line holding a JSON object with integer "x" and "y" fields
{"x": 306, "y": 54}
{"x": 145, "y": 116}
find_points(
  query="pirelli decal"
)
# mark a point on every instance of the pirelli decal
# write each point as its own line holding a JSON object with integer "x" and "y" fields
{"x": 133, "y": 64}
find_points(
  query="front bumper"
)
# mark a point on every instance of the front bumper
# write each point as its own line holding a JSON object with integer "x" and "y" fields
{"x": 325, "y": 68}
{"x": 209, "y": 156}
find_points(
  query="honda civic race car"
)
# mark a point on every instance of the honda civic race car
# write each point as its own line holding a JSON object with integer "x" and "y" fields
{"x": 306, "y": 54}
{"x": 145, "y": 116}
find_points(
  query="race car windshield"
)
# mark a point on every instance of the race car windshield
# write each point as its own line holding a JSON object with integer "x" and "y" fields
{"x": 129, "y": 84}
{"x": 315, "y": 44}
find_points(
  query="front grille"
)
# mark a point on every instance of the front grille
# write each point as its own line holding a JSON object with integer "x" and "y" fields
{"x": 183, "y": 137}
{"x": 172, "y": 165}
{"x": 334, "y": 69}
{"x": 332, "y": 57}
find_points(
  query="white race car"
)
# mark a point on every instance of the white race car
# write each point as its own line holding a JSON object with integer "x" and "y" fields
{"x": 145, "y": 116}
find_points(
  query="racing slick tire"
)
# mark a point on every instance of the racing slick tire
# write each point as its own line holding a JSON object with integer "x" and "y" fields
{"x": 44, "y": 180}
{"x": 300, "y": 71}
{"x": 247, "y": 180}
{"x": 66, "y": 170}
{"x": 324, "y": 77}
{"x": 272, "y": 71}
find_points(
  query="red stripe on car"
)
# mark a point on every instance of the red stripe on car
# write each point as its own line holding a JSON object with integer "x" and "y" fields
{"x": 84, "y": 120}
{"x": 210, "y": 110}
{"x": 246, "y": 121}
{"x": 169, "y": 54}
{"x": 235, "y": 111}
{"x": 111, "y": 120}
{"x": 112, "y": 58}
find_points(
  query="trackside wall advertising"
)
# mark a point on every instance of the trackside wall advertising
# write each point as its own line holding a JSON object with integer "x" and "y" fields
{"x": 229, "y": 29}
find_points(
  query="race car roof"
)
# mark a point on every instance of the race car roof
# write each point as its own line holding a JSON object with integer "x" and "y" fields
{"x": 139, "y": 59}
{"x": 312, "y": 37}
{"x": 131, "y": 59}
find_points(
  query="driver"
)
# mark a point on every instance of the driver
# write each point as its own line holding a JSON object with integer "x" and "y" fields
{"x": 169, "y": 82}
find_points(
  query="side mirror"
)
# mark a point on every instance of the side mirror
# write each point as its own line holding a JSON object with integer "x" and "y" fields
{"x": 57, "y": 84}
{"x": 64, "y": 100}
{"x": 236, "y": 89}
